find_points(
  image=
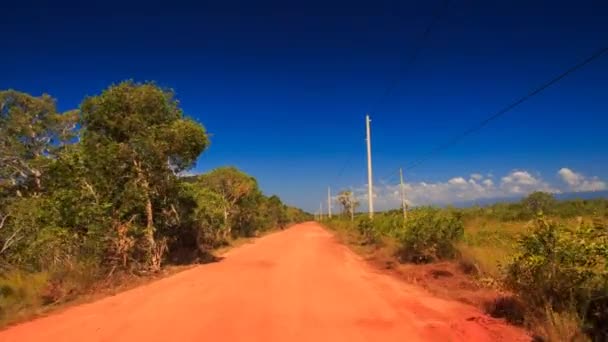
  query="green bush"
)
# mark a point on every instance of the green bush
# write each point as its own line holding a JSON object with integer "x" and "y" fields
{"x": 539, "y": 202}
{"x": 367, "y": 230}
{"x": 563, "y": 268}
{"x": 20, "y": 291}
{"x": 429, "y": 234}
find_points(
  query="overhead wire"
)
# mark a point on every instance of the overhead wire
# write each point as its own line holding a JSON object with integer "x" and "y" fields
{"x": 477, "y": 127}
{"x": 415, "y": 53}
{"x": 403, "y": 67}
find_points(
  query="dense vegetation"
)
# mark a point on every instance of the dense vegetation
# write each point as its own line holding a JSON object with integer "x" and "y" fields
{"x": 95, "y": 191}
{"x": 552, "y": 255}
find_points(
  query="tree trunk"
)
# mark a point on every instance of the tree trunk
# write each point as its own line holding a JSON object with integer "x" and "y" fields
{"x": 154, "y": 251}
{"x": 227, "y": 228}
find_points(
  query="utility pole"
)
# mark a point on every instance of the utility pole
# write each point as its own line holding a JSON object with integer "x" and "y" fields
{"x": 370, "y": 198}
{"x": 320, "y": 211}
{"x": 402, "y": 195}
{"x": 329, "y": 201}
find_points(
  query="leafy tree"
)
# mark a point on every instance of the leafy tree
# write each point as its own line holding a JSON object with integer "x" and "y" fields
{"x": 135, "y": 140}
{"x": 539, "y": 202}
{"x": 31, "y": 132}
{"x": 232, "y": 186}
{"x": 297, "y": 215}
{"x": 276, "y": 211}
{"x": 209, "y": 217}
{"x": 348, "y": 202}
{"x": 250, "y": 215}
{"x": 78, "y": 206}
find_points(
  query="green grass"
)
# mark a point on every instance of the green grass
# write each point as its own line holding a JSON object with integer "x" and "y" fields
{"x": 20, "y": 292}
{"x": 487, "y": 248}
{"x": 489, "y": 243}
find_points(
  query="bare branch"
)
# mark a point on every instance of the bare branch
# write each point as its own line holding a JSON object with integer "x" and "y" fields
{"x": 89, "y": 187}
{"x": 3, "y": 220}
{"x": 10, "y": 241}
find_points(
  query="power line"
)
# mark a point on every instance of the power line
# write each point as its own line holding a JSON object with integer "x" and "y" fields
{"x": 402, "y": 67}
{"x": 414, "y": 56}
{"x": 347, "y": 163}
{"x": 597, "y": 54}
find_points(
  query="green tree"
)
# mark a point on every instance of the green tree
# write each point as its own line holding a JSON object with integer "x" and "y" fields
{"x": 277, "y": 212}
{"x": 135, "y": 141}
{"x": 31, "y": 132}
{"x": 32, "y": 135}
{"x": 250, "y": 215}
{"x": 539, "y": 202}
{"x": 232, "y": 185}
{"x": 209, "y": 217}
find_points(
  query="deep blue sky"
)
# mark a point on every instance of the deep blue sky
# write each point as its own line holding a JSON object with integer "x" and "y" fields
{"x": 284, "y": 86}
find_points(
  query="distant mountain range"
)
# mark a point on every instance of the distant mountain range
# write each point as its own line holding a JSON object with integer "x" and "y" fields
{"x": 561, "y": 196}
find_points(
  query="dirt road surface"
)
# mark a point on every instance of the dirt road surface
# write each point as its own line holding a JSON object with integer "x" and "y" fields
{"x": 295, "y": 285}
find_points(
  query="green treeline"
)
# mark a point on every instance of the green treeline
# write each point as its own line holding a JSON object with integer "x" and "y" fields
{"x": 97, "y": 189}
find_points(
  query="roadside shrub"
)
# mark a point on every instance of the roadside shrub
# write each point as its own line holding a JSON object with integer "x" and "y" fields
{"x": 20, "y": 291}
{"x": 389, "y": 223}
{"x": 33, "y": 238}
{"x": 430, "y": 234}
{"x": 367, "y": 230}
{"x": 564, "y": 326}
{"x": 564, "y": 269}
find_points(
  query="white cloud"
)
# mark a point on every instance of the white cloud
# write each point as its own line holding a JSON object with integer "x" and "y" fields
{"x": 522, "y": 182}
{"x": 570, "y": 177}
{"x": 458, "y": 181}
{"x": 592, "y": 185}
{"x": 519, "y": 177}
{"x": 578, "y": 182}
{"x": 476, "y": 176}
{"x": 517, "y": 183}
{"x": 456, "y": 190}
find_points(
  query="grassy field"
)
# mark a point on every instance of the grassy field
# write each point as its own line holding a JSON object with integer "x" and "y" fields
{"x": 542, "y": 262}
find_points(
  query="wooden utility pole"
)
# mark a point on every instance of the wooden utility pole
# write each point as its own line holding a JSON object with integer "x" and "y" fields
{"x": 403, "y": 205}
{"x": 370, "y": 199}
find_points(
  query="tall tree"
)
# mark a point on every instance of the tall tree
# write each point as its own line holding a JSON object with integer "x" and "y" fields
{"x": 135, "y": 141}
{"x": 232, "y": 185}
{"x": 31, "y": 132}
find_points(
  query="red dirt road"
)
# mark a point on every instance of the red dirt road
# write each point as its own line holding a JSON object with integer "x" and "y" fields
{"x": 295, "y": 285}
